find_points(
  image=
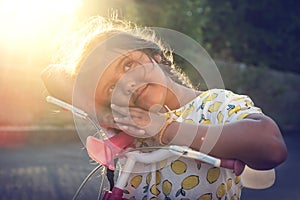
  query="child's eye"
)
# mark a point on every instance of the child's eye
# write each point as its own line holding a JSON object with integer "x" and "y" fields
{"x": 127, "y": 67}
{"x": 111, "y": 89}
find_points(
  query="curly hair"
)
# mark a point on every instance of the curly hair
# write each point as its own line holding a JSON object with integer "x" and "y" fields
{"x": 97, "y": 29}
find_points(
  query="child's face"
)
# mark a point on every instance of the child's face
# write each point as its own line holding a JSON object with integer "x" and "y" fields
{"x": 132, "y": 80}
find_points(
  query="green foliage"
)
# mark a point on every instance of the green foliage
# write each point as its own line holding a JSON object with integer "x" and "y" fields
{"x": 262, "y": 33}
{"x": 275, "y": 92}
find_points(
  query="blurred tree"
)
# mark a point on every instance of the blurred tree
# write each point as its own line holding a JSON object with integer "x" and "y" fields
{"x": 263, "y": 33}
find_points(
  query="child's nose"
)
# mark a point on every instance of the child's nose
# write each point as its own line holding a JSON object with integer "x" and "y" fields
{"x": 130, "y": 87}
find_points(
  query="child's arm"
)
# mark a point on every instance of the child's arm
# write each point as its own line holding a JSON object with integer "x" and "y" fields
{"x": 255, "y": 140}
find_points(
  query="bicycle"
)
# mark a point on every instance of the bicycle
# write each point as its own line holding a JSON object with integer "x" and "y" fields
{"x": 105, "y": 151}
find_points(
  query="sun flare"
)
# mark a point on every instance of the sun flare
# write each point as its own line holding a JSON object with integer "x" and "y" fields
{"x": 34, "y": 20}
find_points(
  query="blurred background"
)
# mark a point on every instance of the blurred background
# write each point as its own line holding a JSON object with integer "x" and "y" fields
{"x": 255, "y": 45}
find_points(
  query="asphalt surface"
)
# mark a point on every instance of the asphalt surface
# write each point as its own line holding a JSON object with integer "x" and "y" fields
{"x": 45, "y": 172}
{"x": 55, "y": 170}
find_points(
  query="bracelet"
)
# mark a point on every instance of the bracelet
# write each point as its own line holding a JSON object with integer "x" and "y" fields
{"x": 162, "y": 132}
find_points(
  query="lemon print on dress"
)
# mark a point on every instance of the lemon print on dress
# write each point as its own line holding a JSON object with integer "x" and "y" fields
{"x": 242, "y": 116}
{"x": 221, "y": 191}
{"x": 213, "y": 174}
{"x": 239, "y": 191}
{"x": 189, "y": 121}
{"x": 136, "y": 181}
{"x": 229, "y": 184}
{"x": 166, "y": 189}
{"x": 163, "y": 163}
{"x": 132, "y": 198}
{"x": 148, "y": 180}
{"x": 178, "y": 167}
{"x": 198, "y": 164}
{"x": 234, "y": 197}
{"x": 203, "y": 94}
{"x": 203, "y": 120}
{"x": 154, "y": 190}
{"x": 178, "y": 112}
{"x": 188, "y": 110}
{"x": 157, "y": 176}
{"x": 215, "y": 107}
{"x": 207, "y": 196}
{"x": 210, "y": 97}
{"x": 237, "y": 179}
{"x": 152, "y": 198}
{"x": 249, "y": 103}
{"x": 238, "y": 98}
{"x": 220, "y": 117}
{"x": 234, "y": 109}
{"x": 171, "y": 113}
{"x": 187, "y": 184}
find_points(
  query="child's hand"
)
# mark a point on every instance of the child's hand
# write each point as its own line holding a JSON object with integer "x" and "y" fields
{"x": 236, "y": 165}
{"x": 105, "y": 118}
{"x": 137, "y": 122}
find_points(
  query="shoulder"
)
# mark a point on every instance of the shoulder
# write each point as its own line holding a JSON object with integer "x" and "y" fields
{"x": 226, "y": 105}
{"x": 224, "y": 96}
{"x": 217, "y": 92}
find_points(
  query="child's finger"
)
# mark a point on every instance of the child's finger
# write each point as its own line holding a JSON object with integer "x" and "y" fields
{"x": 136, "y": 132}
{"x": 127, "y": 122}
{"x": 126, "y": 111}
{"x": 116, "y": 108}
{"x": 122, "y": 120}
{"x": 121, "y": 110}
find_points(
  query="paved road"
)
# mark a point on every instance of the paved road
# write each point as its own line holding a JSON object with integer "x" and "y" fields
{"x": 45, "y": 172}
{"x": 48, "y": 171}
{"x": 287, "y": 185}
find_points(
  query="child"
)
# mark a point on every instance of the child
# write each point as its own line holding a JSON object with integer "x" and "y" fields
{"x": 127, "y": 77}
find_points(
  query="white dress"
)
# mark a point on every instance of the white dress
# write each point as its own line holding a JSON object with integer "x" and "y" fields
{"x": 184, "y": 178}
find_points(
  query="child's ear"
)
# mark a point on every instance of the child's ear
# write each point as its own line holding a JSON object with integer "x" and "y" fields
{"x": 157, "y": 58}
{"x": 161, "y": 60}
